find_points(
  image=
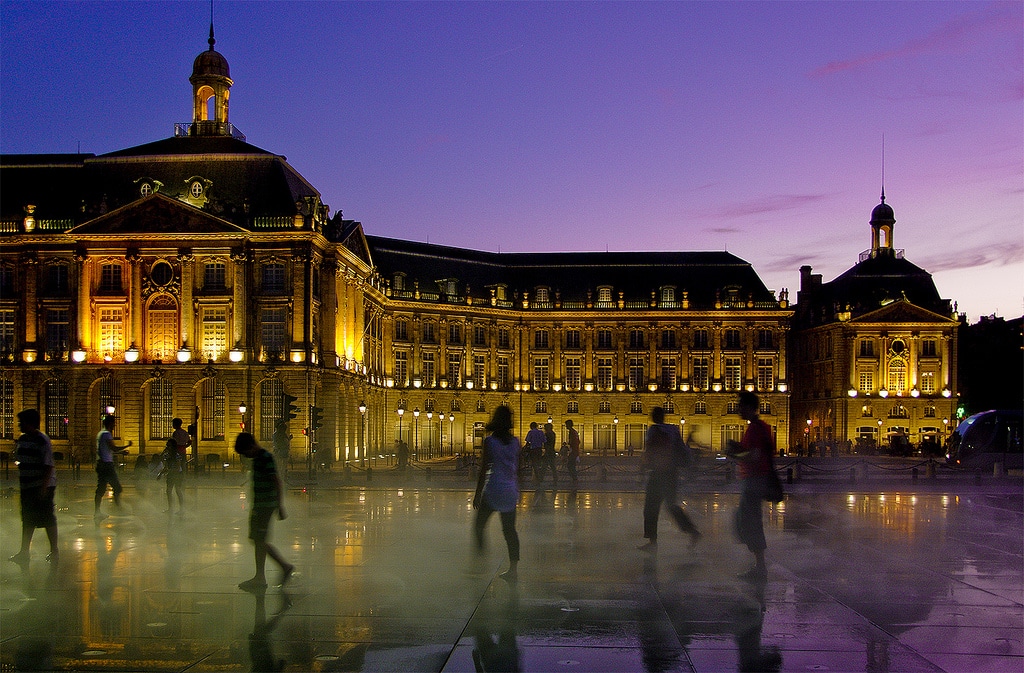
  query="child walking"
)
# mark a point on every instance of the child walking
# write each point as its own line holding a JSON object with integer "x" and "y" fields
{"x": 266, "y": 499}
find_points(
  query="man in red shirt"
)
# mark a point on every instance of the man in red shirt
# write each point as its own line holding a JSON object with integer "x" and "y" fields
{"x": 754, "y": 455}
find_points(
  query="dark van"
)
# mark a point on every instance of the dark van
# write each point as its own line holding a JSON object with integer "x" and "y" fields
{"x": 987, "y": 438}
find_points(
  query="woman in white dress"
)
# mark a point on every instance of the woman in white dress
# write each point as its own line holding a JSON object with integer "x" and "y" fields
{"x": 497, "y": 490}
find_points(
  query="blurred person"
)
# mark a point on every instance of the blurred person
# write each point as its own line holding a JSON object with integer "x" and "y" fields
{"x": 181, "y": 438}
{"x": 550, "y": 457}
{"x": 173, "y": 471}
{"x": 37, "y": 479}
{"x": 282, "y": 442}
{"x": 497, "y": 489}
{"x": 754, "y": 455}
{"x": 535, "y": 449}
{"x": 266, "y": 499}
{"x": 573, "y": 459}
{"x": 664, "y": 455}
{"x": 106, "y": 469}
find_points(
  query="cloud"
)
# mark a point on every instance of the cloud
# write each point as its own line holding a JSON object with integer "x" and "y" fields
{"x": 766, "y": 204}
{"x": 724, "y": 230}
{"x": 957, "y": 33}
{"x": 992, "y": 254}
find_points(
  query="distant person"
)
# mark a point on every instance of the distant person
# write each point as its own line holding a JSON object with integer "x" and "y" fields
{"x": 266, "y": 500}
{"x": 282, "y": 442}
{"x": 181, "y": 438}
{"x": 535, "y": 448}
{"x": 497, "y": 489}
{"x": 664, "y": 455}
{"x": 174, "y": 472}
{"x": 403, "y": 455}
{"x": 754, "y": 455}
{"x": 106, "y": 469}
{"x": 550, "y": 458}
{"x": 37, "y": 479}
{"x": 573, "y": 459}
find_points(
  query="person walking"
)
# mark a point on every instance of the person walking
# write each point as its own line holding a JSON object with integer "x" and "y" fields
{"x": 497, "y": 489}
{"x": 182, "y": 439}
{"x": 755, "y": 455}
{"x": 535, "y": 449}
{"x": 664, "y": 454}
{"x": 573, "y": 459}
{"x": 106, "y": 470}
{"x": 266, "y": 499}
{"x": 37, "y": 479}
{"x": 550, "y": 459}
{"x": 174, "y": 472}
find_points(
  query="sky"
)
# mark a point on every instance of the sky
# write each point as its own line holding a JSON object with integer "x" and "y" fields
{"x": 752, "y": 127}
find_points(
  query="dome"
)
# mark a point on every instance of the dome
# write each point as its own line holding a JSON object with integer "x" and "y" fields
{"x": 210, "y": 62}
{"x": 882, "y": 213}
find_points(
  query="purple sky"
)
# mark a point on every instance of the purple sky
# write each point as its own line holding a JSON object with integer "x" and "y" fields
{"x": 530, "y": 126}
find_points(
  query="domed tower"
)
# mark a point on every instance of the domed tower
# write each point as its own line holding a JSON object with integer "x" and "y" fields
{"x": 882, "y": 220}
{"x": 211, "y": 78}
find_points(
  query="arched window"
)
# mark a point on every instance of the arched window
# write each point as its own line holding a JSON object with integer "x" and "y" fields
{"x": 162, "y": 328}
{"x": 700, "y": 408}
{"x": 897, "y": 376}
{"x": 161, "y": 409}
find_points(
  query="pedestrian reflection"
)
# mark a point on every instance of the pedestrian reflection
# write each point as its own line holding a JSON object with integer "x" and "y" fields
{"x": 110, "y": 613}
{"x": 261, "y": 652}
{"x": 495, "y": 647}
{"x": 749, "y": 620}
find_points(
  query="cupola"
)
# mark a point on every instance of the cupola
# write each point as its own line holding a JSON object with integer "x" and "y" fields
{"x": 882, "y": 221}
{"x": 211, "y": 87}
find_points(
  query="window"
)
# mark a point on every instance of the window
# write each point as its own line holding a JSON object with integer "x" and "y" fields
{"x": 897, "y": 376}
{"x": 213, "y": 408}
{"x": 479, "y": 335}
{"x": 700, "y": 339}
{"x": 56, "y": 409}
{"x": 866, "y": 410}
{"x": 867, "y": 348}
{"x": 110, "y": 279}
{"x": 540, "y": 338}
{"x": 765, "y": 409}
{"x": 765, "y": 374}
{"x": 604, "y": 338}
{"x": 271, "y": 407}
{"x": 700, "y": 374}
{"x": 161, "y": 409}
{"x": 636, "y": 407}
{"x": 427, "y": 370}
{"x": 604, "y": 373}
{"x": 929, "y": 412}
{"x": 6, "y": 409}
{"x": 604, "y": 407}
{"x": 455, "y": 333}
{"x": 898, "y": 411}
{"x": 57, "y": 281}
{"x": 110, "y": 393}
{"x": 399, "y": 282}
{"x": 927, "y": 382}
{"x": 541, "y": 380}
{"x": 573, "y": 407}
{"x": 572, "y": 338}
{"x": 6, "y": 280}
{"x": 427, "y": 333}
{"x": 668, "y": 338}
{"x": 732, "y": 373}
{"x": 573, "y": 372}
{"x": 454, "y": 370}
{"x": 700, "y": 408}
{"x": 479, "y": 371}
{"x": 732, "y": 408}
{"x": 732, "y": 339}
{"x": 765, "y": 340}
{"x": 215, "y": 332}
{"x": 273, "y": 278}
{"x": 273, "y": 322}
{"x": 6, "y": 331}
{"x": 541, "y": 407}
{"x": 668, "y": 374}
{"x": 928, "y": 348}
{"x": 636, "y": 373}
{"x": 214, "y": 277}
{"x": 58, "y": 330}
{"x": 503, "y": 379}
{"x": 401, "y": 330}
{"x": 636, "y": 339}
{"x": 866, "y": 382}
{"x": 669, "y": 406}
{"x": 503, "y": 337}
{"x": 162, "y": 328}
{"x": 543, "y": 296}
{"x": 401, "y": 368}
{"x": 668, "y": 295}
{"x": 455, "y": 405}
{"x": 481, "y": 407}
{"x": 604, "y": 297}
{"x": 112, "y": 331}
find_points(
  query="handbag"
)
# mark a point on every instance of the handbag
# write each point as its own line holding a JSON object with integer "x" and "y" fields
{"x": 773, "y": 487}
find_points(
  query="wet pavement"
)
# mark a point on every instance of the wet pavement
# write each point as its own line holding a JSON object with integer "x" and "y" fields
{"x": 914, "y": 576}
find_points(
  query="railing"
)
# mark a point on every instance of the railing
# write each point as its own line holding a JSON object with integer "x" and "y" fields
{"x": 273, "y": 222}
{"x": 208, "y": 128}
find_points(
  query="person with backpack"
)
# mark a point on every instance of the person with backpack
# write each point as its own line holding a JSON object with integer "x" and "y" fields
{"x": 665, "y": 454}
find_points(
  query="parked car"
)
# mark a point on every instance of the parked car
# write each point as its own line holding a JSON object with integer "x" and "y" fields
{"x": 987, "y": 438}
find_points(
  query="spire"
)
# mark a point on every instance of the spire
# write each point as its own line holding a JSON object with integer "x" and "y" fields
{"x": 211, "y": 40}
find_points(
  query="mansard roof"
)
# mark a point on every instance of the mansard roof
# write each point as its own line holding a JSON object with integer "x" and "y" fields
{"x": 573, "y": 274}
{"x": 243, "y": 182}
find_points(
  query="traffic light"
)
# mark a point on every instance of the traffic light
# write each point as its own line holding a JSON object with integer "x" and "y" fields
{"x": 291, "y": 411}
{"x": 316, "y": 418}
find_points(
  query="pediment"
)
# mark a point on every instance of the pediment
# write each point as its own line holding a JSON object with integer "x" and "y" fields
{"x": 154, "y": 215}
{"x": 901, "y": 311}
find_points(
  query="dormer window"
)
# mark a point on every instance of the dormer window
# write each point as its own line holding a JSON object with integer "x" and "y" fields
{"x": 542, "y": 295}
{"x": 604, "y": 293}
{"x": 196, "y": 189}
{"x": 668, "y": 295}
{"x": 145, "y": 189}
{"x": 399, "y": 282}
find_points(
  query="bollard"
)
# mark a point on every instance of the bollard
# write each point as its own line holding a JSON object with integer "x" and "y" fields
{"x": 997, "y": 469}
{"x": 913, "y": 473}
{"x": 369, "y": 474}
{"x": 604, "y": 474}
{"x": 930, "y": 470}
{"x": 853, "y": 475}
{"x": 789, "y": 475}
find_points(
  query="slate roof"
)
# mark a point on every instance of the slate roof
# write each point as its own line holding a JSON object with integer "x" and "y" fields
{"x": 637, "y": 274}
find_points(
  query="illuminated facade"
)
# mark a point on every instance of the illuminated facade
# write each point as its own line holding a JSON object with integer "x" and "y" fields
{"x": 202, "y": 277}
{"x": 876, "y": 351}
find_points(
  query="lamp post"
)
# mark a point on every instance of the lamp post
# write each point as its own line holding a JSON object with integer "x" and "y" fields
{"x": 451, "y": 433}
{"x": 416, "y": 432}
{"x": 362, "y": 451}
{"x": 615, "y": 434}
{"x": 879, "y": 443}
{"x": 430, "y": 434}
{"x": 401, "y": 412}
{"x": 241, "y": 410}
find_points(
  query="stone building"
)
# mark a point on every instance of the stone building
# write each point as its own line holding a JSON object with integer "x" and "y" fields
{"x": 874, "y": 352}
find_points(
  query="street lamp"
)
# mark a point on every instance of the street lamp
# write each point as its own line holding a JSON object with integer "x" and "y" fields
{"x": 362, "y": 452}
{"x": 401, "y": 412}
{"x": 430, "y": 434}
{"x": 416, "y": 431}
{"x": 615, "y": 434}
{"x": 451, "y": 433}
{"x": 241, "y": 410}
